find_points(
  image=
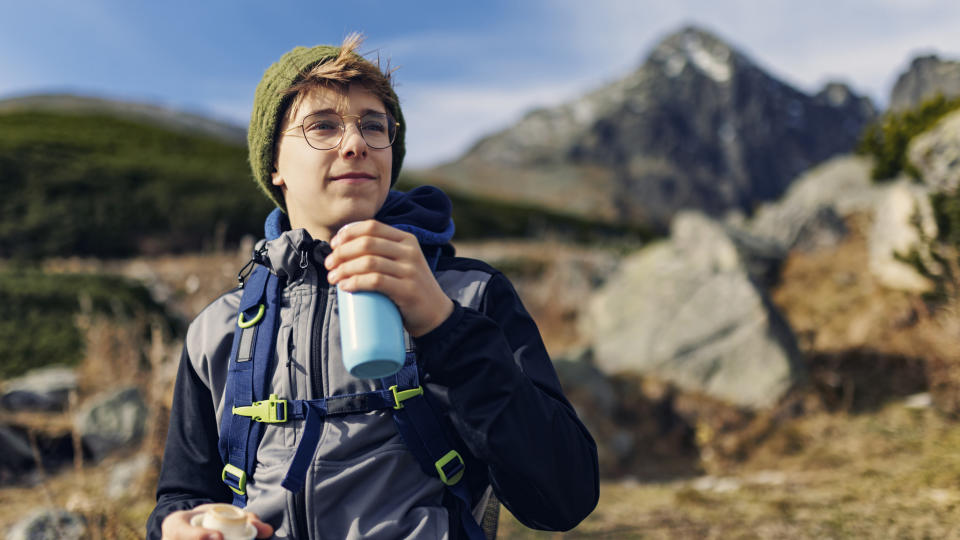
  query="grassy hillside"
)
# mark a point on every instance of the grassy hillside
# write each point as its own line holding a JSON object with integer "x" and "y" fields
{"x": 90, "y": 184}
{"x": 95, "y": 184}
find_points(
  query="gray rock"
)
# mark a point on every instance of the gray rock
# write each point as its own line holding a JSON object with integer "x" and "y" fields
{"x": 112, "y": 422}
{"x": 903, "y": 225}
{"x": 936, "y": 155}
{"x": 124, "y": 476}
{"x": 46, "y": 389}
{"x": 49, "y": 524}
{"x": 927, "y": 77}
{"x": 807, "y": 216}
{"x": 16, "y": 457}
{"x": 826, "y": 229}
{"x": 687, "y": 311}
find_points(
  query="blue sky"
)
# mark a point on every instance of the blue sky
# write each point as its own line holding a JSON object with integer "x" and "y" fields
{"x": 465, "y": 69}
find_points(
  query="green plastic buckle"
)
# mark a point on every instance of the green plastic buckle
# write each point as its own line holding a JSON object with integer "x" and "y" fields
{"x": 241, "y": 479}
{"x": 265, "y": 411}
{"x": 403, "y": 395}
{"x": 247, "y": 324}
{"x": 451, "y": 455}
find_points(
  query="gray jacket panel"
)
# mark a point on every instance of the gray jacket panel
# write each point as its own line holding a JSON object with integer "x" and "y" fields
{"x": 363, "y": 482}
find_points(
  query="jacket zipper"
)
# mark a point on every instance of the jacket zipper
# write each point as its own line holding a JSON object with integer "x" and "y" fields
{"x": 316, "y": 352}
{"x": 300, "y": 505}
{"x": 316, "y": 366}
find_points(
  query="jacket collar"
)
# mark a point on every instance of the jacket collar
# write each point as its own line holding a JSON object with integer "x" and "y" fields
{"x": 424, "y": 211}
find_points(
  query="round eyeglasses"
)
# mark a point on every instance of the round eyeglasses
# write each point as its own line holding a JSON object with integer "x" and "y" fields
{"x": 324, "y": 130}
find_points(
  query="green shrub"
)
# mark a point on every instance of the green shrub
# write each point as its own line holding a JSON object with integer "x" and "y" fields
{"x": 38, "y": 314}
{"x": 886, "y": 140}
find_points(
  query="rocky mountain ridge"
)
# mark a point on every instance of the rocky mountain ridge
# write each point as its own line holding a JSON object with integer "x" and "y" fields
{"x": 698, "y": 125}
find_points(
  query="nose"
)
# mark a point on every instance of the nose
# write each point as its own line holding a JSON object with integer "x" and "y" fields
{"x": 352, "y": 144}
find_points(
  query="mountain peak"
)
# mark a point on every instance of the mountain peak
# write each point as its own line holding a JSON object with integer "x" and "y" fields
{"x": 697, "y": 48}
{"x": 698, "y": 125}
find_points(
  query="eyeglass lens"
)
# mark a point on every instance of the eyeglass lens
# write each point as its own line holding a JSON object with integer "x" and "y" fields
{"x": 324, "y": 130}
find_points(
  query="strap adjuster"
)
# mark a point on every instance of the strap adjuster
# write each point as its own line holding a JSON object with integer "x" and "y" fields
{"x": 235, "y": 479}
{"x": 400, "y": 396}
{"x": 271, "y": 410}
{"x": 451, "y": 474}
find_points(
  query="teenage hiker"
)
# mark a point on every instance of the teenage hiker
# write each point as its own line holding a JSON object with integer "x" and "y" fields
{"x": 328, "y": 455}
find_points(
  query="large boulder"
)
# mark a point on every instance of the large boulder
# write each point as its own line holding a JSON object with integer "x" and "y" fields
{"x": 638, "y": 431}
{"x": 46, "y": 389}
{"x": 687, "y": 311}
{"x": 810, "y": 215}
{"x": 112, "y": 422}
{"x": 903, "y": 225}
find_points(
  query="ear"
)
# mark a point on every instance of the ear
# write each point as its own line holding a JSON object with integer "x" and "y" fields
{"x": 275, "y": 177}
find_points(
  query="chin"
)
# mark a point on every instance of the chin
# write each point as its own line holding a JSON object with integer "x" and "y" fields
{"x": 357, "y": 212}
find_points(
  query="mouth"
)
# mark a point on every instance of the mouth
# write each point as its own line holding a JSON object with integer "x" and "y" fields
{"x": 353, "y": 177}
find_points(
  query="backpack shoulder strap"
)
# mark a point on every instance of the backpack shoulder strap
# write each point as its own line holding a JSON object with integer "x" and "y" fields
{"x": 419, "y": 427}
{"x": 250, "y": 357}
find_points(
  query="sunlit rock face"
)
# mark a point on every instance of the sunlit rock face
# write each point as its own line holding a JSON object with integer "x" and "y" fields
{"x": 927, "y": 77}
{"x": 699, "y": 125}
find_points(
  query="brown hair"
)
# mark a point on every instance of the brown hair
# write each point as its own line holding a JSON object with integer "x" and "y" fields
{"x": 338, "y": 72}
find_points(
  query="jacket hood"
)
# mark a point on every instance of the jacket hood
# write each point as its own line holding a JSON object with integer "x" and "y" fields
{"x": 424, "y": 211}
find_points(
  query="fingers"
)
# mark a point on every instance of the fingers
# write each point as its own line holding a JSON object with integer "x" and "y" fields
{"x": 372, "y": 256}
{"x": 391, "y": 286}
{"x": 373, "y": 246}
{"x": 370, "y": 227}
{"x": 177, "y": 526}
{"x": 264, "y": 530}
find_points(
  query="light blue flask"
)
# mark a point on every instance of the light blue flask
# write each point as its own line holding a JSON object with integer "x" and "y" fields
{"x": 371, "y": 334}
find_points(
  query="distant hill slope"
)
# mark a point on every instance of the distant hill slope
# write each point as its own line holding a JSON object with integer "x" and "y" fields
{"x": 98, "y": 184}
{"x": 97, "y": 178}
{"x": 142, "y": 112}
{"x": 698, "y": 125}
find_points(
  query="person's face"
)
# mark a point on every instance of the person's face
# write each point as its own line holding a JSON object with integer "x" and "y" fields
{"x": 326, "y": 189}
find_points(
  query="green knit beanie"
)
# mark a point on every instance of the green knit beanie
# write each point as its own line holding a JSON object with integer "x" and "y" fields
{"x": 269, "y": 104}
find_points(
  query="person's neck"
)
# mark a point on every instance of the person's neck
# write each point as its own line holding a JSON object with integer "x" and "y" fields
{"x": 317, "y": 232}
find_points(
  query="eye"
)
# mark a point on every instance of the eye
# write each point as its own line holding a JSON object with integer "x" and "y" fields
{"x": 321, "y": 124}
{"x": 373, "y": 125}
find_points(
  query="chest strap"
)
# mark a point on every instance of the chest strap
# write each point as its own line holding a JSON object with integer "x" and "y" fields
{"x": 313, "y": 411}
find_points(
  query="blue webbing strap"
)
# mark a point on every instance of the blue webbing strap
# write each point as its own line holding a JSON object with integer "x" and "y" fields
{"x": 314, "y": 411}
{"x": 420, "y": 429}
{"x": 296, "y": 475}
{"x": 246, "y": 380}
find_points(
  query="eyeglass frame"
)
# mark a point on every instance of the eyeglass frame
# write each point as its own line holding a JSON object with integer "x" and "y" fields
{"x": 343, "y": 129}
